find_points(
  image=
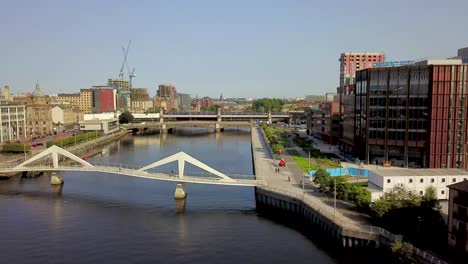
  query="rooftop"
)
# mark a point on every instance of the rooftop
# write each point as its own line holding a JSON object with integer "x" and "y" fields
{"x": 395, "y": 172}
{"x": 439, "y": 62}
{"x": 461, "y": 186}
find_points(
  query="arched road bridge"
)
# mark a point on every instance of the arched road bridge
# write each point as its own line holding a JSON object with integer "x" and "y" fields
{"x": 212, "y": 176}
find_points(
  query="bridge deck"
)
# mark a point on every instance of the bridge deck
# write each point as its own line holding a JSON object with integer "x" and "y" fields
{"x": 241, "y": 180}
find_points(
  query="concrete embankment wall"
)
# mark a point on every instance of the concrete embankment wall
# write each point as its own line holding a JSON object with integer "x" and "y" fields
{"x": 273, "y": 202}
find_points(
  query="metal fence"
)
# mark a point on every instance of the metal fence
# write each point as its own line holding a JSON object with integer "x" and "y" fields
{"x": 343, "y": 223}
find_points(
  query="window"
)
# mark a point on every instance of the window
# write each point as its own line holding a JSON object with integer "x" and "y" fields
{"x": 443, "y": 180}
{"x": 410, "y": 180}
{"x": 454, "y": 180}
{"x": 421, "y": 192}
{"x": 432, "y": 179}
{"x": 388, "y": 180}
{"x": 421, "y": 180}
{"x": 442, "y": 192}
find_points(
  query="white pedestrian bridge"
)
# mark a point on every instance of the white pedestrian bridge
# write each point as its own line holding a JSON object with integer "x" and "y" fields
{"x": 48, "y": 160}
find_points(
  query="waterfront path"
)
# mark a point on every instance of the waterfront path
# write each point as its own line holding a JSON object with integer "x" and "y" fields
{"x": 289, "y": 180}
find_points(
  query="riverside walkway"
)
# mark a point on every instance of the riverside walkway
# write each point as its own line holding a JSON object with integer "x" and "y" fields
{"x": 289, "y": 180}
{"x": 353, "y": 227}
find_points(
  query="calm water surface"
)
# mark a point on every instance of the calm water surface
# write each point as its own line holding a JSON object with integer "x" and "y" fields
{"x": 105, "y": 218}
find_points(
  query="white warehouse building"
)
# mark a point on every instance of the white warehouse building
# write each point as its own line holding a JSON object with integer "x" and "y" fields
{"x": 414, "y": 180}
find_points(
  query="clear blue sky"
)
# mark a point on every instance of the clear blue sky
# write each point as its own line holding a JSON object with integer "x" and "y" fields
{"x": 248, "y": 48}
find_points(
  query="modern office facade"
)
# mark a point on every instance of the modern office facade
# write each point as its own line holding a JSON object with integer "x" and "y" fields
{"x": 412, "y": 116}
{"x": 350, "y": 62}
{"x": 330, "y": 122}
{"x": 12, "y": 122}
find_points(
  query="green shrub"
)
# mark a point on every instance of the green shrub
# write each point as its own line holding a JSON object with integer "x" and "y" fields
{"x": 71, "y": 140}
{"x": 16, "y": 147}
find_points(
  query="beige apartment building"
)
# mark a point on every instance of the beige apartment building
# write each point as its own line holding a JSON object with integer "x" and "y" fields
{"x": 83, "y": 100}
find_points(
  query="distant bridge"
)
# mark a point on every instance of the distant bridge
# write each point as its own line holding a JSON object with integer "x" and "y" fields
{"x": 216, "y": 120}
{"x": 211, "y": 177}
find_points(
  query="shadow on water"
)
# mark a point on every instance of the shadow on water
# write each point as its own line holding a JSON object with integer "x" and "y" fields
{"x": 324, "y": 243}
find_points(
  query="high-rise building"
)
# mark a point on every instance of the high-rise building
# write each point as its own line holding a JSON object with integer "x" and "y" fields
{"x": 185, "y": 102}
{"x": 350, "y": 62}
{"x": 123, "y": 93}
{"x": 413, "y": 116}
{"x": 167, "y": 98}
{"x": 103, "y": 99}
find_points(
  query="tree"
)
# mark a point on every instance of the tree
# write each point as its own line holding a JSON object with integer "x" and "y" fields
{"x": 402, "y": 254}
{"x": 429, "y": 199}
{"x": 381, "y": 207}
{"x": 359, "y": 195}
{"x": 267, "y": 104}
{"x": 126, "y": 117}
{"x": 323, "y": 179}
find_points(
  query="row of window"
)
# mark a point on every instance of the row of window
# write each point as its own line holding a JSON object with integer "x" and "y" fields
{"x": 432, "y": 180}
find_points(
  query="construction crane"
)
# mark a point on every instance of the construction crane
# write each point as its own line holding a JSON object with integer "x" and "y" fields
{"x": 121, "y": 74}
{"x": 131, "y": 74}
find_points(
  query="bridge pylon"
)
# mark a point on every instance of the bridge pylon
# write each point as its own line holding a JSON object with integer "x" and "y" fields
{"x": 54, "y": 151}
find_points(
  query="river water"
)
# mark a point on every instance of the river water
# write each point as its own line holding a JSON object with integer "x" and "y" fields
{"x": 105, "y": 218}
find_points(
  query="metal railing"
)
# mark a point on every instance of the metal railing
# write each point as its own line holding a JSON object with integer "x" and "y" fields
{"x": 133, "y": 170}
{"x": 337, "y": 220}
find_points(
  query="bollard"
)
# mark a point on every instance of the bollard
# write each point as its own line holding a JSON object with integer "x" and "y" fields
{"x": 289, "y": 179}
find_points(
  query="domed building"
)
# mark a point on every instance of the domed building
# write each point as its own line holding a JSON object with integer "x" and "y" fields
{"x": 39, "y": 114}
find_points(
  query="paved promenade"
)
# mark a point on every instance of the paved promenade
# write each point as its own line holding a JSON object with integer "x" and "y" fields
{"x": 289, "y": 180}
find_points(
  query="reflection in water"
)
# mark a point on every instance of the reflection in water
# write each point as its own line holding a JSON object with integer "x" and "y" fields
{"x": 57, "y": 189}
{"x": 107, "y": 218}
{"x": 180, "y": 205}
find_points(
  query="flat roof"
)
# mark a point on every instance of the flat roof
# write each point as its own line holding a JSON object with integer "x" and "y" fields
{"x": 419, "y": 172}
{"x": 461, "y": 186}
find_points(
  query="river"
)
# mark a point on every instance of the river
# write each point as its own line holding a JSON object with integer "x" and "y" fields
{"x": 105, "y": 218}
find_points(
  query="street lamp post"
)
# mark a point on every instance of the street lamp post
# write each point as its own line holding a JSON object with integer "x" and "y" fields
{"x": 334, "y": 200}
{"x": 308, "y": 172}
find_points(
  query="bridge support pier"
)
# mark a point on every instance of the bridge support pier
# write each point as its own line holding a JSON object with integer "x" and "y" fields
{"x": 163, "y": 129}
{"x": 180, "y": 191}
{"x": 55, "y": 179}
{"x": 218, "y": 127}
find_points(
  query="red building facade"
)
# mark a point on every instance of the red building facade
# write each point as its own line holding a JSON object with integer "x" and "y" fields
{"x": 412, "y": 116}
{"x": 103, "y": 100}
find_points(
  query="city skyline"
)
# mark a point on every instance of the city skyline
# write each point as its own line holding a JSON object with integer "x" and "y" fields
{"x": 238, "y": 49}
